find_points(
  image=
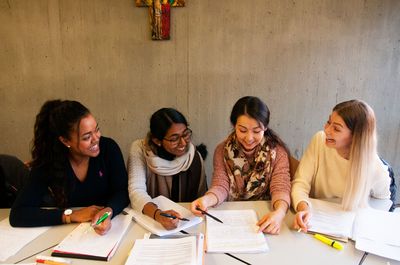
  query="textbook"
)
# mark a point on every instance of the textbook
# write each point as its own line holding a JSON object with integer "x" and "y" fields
{"x": 164, "y": 204}
{"x": 179, "y": 249}
{"x": 237, "y": 234}
{"x": 83, "y": 242}
{"x": 374, "y": 231}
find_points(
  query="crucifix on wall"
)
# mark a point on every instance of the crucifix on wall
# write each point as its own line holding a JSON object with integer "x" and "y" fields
{"x": 159, "y": 13}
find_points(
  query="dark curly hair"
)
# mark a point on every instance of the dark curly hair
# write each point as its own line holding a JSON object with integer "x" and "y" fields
{"x": 56, "y": 118}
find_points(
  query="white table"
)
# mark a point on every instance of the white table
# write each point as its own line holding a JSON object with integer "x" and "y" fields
{"x": 289, "y": 247}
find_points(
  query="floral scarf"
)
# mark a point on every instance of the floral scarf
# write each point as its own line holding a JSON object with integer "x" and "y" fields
{"x": 249, "y": 177}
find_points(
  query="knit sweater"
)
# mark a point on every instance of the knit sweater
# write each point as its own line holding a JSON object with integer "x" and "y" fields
{"x": 322, "y": 174}
{"x": 280, "y": 177}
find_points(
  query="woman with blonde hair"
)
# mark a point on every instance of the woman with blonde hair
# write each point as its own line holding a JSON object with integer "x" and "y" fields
{"x": 341, "y": 162}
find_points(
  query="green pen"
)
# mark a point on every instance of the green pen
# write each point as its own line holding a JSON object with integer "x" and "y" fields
{"x": 99, "y": 221}
{"x": 102, "y": 218}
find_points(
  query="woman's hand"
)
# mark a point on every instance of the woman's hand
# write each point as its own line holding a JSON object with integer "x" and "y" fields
{"x": 203, "y": 203}
{"x": 167, "y": 222}
{"x": 302, "y": 217}
{"x": 104, "y": 226}
{"x": 271, "y": 222}
{"x": 85, "y": 214}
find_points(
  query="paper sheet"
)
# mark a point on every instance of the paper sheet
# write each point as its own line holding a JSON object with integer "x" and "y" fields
{"x": 377, "y": 232}
{"x": 170, "y": 251}
{"x": 166, "y": 204}
{"x": 13, "y": 239}
{"x": 328, "y": 218}
{"x": 238, "y": 233}
{"x": 83, "y": 240}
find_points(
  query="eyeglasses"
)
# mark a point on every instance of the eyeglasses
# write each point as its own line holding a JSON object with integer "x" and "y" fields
{"x": 175, "y": 139}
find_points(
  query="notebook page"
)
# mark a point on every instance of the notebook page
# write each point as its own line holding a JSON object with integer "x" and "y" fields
{"x": 379, "y": 226}
{"x": 328, "y": 218}
{"x": 84, "y": 240}
{"x": 169, "y": 251}
{"x": 165, "y": 204}
{"x": 13, "y": 239}
{"x": 238, "y": 233}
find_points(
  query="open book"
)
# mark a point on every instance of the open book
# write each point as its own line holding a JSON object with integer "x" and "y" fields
{"x": 166, "y": 204}
{"x": 83, "y": 242}
{"x": 374, "y": 231}
{"x": 237, "y": 234}
{"x": 184, "y": 250}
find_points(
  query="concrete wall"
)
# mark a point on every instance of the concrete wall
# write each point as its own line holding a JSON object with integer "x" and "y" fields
{"x": 301, "y": 57}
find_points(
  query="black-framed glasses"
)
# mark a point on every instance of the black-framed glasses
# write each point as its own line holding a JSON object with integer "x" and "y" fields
{"x": 175, "y": 139}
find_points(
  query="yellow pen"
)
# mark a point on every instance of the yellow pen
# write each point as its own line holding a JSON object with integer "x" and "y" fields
{"x": 329, "y": 241}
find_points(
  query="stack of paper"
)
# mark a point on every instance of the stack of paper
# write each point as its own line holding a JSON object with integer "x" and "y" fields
{"x": 378, "y": 232}
{"x": 374, "y": 231}
{"x": 83, "y": 242}
{"x": 237, "y": 234}
{"x": 166, "y": 204}
{"x": 328, "y": 218}
{"x": 13, "y": 239}
{"x": 186, "y": 250}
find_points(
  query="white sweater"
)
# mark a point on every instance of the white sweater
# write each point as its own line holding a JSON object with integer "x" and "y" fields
{"x": 137, "y": 172}
{"x": 321, "y": 174}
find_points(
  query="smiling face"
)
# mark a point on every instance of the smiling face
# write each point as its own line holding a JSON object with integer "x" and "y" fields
{"x": 177, "y": 139}
{"x": 338, "y": 135}
{"x": 249, "y": 132}
{"x": 84, "y": 143}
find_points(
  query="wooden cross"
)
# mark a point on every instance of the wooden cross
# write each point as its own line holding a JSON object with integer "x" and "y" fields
{"x": 159, "y": 11}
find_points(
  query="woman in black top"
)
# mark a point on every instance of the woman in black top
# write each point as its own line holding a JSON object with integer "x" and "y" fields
{"x": 72, "y": 166}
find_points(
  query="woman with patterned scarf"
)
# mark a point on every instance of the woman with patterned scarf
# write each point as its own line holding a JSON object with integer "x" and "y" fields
{"x": 165, "y": 163}
{"x": 251, "y": 164}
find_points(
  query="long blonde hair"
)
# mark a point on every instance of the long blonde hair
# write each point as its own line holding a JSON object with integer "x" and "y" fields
{"x": 360, "y": 119}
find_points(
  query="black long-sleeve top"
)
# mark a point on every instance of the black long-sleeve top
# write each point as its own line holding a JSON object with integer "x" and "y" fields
{"x": 106, "y": 184}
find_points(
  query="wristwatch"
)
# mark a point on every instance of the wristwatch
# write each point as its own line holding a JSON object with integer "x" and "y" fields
{"x": 67, "y": 214}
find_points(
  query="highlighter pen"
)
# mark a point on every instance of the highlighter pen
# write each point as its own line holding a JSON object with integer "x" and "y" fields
{"x": 99, "y": 221}
{"x": 329, "y": 241}
{"x": 50, "y": 262}
{"x": 102, "y": 218}
{"x": 173, "y": 216}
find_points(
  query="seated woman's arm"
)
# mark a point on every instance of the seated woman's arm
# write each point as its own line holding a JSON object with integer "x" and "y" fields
{"x": 137, "y": 168}
{"x": 26, "y": 210}
{"x": 280, "y": 194}
{"x": 119, "y": 198}
{"x": 219, "y": 187}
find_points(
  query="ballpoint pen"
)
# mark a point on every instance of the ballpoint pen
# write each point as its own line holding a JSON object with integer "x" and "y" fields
{"x": 209, "y": 215}
{"x": 173, "y": 216}
{"x": 329, "y": 241}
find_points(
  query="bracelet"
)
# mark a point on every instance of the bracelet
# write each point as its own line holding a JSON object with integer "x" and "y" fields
{"x": 155, "y": 212}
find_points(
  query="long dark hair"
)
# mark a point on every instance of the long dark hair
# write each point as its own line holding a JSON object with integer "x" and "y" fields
{"x": 258, "y": 110}
{"x": 56, "y": 118}
{"x": 160, "y": 122}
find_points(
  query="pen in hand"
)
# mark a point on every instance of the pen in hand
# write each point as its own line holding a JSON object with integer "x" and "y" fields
{"x": 173, "y": 216}
{"x": 209, "y": 215}
{"x": 100, "y": 220}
